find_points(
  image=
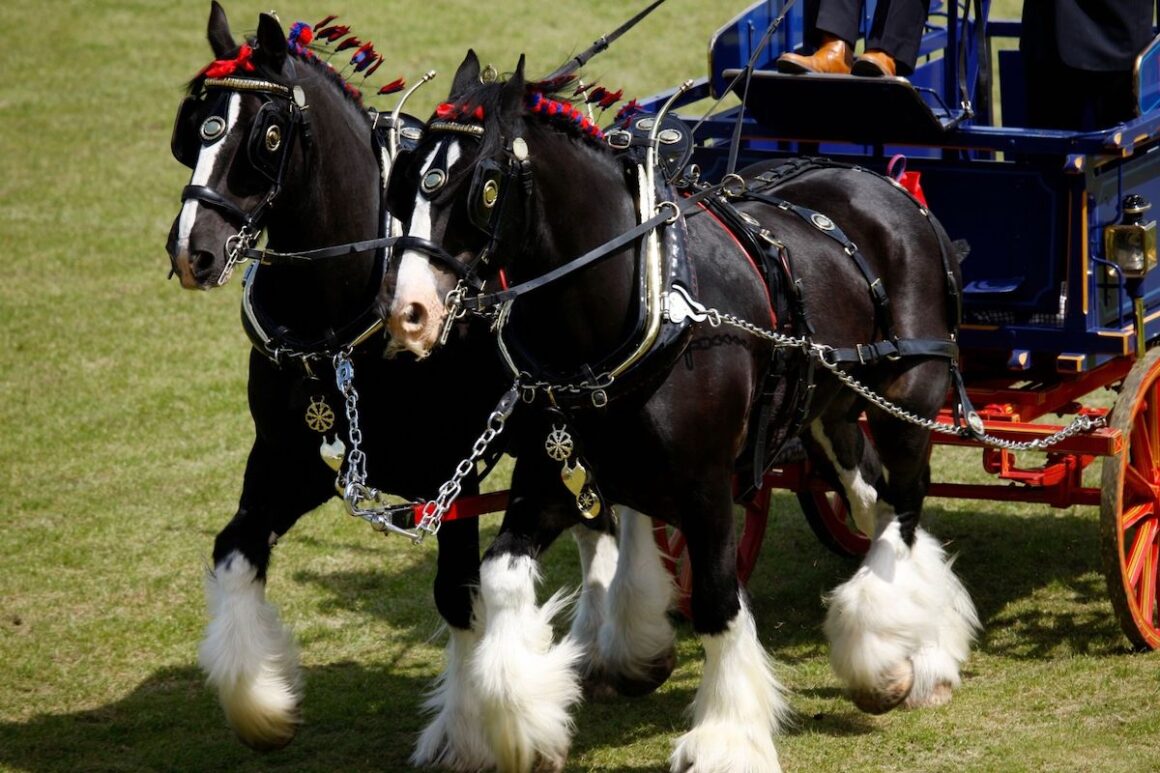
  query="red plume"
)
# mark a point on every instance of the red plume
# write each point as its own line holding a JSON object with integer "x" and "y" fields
{"x": 325, "y": 21}
{"x": 393, "y": 86}
{"x": 350, "y": 42}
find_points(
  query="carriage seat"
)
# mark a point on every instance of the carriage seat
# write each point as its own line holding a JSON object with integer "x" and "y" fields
{"x": 838, "y": 106}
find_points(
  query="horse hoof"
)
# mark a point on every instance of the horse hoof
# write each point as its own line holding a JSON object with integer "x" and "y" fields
{"x": 650, "y": 676}
{"x": 271, "y": 739}
{"x": 597, "y": 688}
{"x": 893, "y": 689}
{"x": 940, "y": 695}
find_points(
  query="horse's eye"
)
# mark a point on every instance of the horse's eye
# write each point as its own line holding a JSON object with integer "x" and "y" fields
{"x": 433, "y": 181}
{"x": 273, "y": 138}
{"x": 214, "y": 127}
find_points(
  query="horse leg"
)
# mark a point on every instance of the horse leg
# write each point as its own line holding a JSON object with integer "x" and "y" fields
{"x": 901, "y": 627}
{"x": 636, "y": 652}
{"x": 598, "y": 562}
{"x": 951, "y": 622}
{"x": 523, "y": 683}
{"x": 850, "y": 464}
{"x": 454, "y": 737}
{"x": 739, "y": 706}
{"x": 247, "y": 653}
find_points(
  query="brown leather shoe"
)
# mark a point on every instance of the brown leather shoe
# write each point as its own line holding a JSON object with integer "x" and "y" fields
{"x": 833, "y": 56}
{"x": 874, "y": 64}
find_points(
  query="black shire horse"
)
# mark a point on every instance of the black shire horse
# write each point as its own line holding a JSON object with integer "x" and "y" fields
{"x": 278, "y": 141}
{"x": 508, "y": 177}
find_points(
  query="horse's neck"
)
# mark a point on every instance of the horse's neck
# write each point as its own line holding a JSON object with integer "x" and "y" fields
{"x": 581, "y": 202}
{"x": 336, "y": 201}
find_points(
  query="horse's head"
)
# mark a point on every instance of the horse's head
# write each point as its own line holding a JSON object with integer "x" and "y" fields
{"x": 238, "y": 130}
{"x": 461, "y": 191}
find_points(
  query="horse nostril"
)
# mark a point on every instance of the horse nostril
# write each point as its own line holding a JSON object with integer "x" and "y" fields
{"x": 414, "y": 316}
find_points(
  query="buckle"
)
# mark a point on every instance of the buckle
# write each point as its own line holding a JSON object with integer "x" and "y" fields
{"x": 862, "y": 358}
{"x": 619, "y": 139}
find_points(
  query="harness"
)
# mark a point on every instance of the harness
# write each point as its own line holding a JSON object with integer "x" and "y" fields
{"x": 280, "y": 119}
{"x": 501, "y": 188}
{"x": 278, "y": 342}
{"x": 794, "y": 395}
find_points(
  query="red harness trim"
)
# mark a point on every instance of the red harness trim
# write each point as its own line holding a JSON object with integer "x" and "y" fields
{"x": 469, "y": 507}
{"x": 749, "y": 260}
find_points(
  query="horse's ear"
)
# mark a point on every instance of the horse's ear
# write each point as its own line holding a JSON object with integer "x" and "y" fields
{"x": 218, "y": 32}
{"x": 467, "y": 76}
{"x": 512, "y": 96}
{"x": 271, "y": 42}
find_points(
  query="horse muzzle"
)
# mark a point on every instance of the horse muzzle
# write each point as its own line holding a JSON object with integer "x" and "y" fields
{"x": 415, "y": 324}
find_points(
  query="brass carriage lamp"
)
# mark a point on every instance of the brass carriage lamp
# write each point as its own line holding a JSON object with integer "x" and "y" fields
{"x": 1131, "y": 243}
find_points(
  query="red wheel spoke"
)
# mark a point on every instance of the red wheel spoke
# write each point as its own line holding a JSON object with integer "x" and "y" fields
{"x": 1147, "y": 592}
{"x": 1141, "y": 551}
{"x": 1137, "y": 487}
{"x": 1133, "y": 515}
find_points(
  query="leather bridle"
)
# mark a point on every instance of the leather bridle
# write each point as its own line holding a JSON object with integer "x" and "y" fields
{"x": 277, "y": 125}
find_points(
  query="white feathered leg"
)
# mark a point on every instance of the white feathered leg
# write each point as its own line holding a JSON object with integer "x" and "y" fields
{"x": 598, "y": 556}
{"x": 525, "y": 684}
{"x": 939, "y": 660}
{"x": 454, "y": 738}
{"x": 249, "y": 656}
{"x": 901, "y": 625}
{"x": 636, "y": 646}
{"x": 738, "y": 709}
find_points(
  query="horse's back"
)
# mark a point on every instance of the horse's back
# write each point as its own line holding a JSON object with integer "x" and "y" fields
{"x": 899, "y": 240}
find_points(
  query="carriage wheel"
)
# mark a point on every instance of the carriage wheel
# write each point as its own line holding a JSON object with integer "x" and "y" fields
{"x": 827, "y": 515}
{"x": 675, "y": 553}
{"x": 1130, "y": 506}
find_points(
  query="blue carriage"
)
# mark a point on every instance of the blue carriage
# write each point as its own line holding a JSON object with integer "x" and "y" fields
{"x": 1060, "y": 295}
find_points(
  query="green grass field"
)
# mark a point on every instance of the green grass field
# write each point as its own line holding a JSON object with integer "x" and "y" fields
{"x": 125, "y": 430}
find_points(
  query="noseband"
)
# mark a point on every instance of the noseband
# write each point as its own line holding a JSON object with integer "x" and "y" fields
{"x": 270, "y": 144}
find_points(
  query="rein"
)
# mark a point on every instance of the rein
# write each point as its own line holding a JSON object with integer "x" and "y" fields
{"x": 670, "y": 212}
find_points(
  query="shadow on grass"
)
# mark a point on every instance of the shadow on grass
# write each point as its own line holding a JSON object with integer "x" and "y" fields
{"x": 354, "y": 718}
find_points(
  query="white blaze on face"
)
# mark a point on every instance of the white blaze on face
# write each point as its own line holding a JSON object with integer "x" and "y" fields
{"x": 416, "y": 281}
{"x": 206, "y": 161}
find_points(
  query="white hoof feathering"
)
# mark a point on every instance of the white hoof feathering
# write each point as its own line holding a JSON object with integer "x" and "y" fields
{"x": 739, "y": 707}
{"x": 902, "y": 625}
{"x": 249, "y": 656}
{"x": 598, "y": 556}
{"x": 524, "y": 683}
{"x": 454, "y": 738}
{"x": 637, "y": 637}
{"x": 938, "y": 661}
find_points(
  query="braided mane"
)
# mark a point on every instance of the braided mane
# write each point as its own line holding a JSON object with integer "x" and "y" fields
{"x": 565, "y": 103}
{"x": 308, "y": 44}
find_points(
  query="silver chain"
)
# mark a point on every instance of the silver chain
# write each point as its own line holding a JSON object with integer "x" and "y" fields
{"x": 1078, "y": 425}
{"x": 435, "y": 509}
{"x": 235, "y": 246}
{"x": 369, "y": 503}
